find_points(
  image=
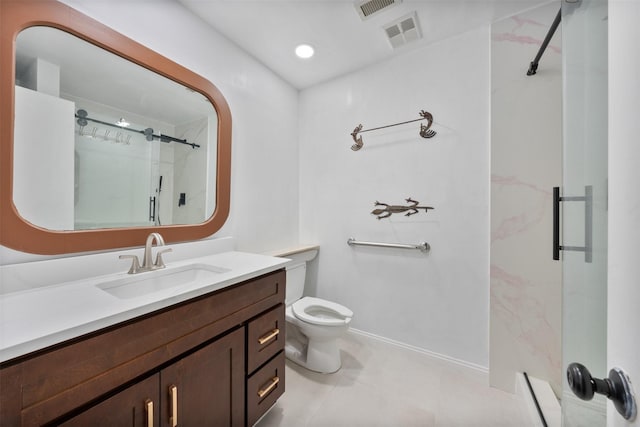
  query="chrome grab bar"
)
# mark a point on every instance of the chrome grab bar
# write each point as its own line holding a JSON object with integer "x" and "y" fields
{"x": 423, "y": 246}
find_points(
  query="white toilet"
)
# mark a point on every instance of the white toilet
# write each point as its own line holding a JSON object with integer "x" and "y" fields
{"x": 313, "y": 324}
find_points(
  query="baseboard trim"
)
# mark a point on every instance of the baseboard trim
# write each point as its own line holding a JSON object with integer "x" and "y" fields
{"x": 463, "y": 363}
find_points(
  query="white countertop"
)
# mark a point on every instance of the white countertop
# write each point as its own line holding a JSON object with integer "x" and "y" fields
{"x": 36, "y": 318}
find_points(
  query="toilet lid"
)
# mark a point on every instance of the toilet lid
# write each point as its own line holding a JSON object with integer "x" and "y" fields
{"x": 321, "y": 312}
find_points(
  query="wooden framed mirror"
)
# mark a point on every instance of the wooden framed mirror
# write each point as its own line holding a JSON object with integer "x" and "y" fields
{"x": 22, "y": 232}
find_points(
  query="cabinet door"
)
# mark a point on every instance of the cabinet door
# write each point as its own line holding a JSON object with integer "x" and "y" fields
{"x": 206, "y": 388}
{"x": 137, "y": 406}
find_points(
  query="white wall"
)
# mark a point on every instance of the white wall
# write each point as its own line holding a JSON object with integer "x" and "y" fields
{"x": 624, "y": 197}
{"x": 44, "y": 127}
{"x": 526, "y": 163}
{"x": 264, "y": 192}
{"x": 437, "y": 302}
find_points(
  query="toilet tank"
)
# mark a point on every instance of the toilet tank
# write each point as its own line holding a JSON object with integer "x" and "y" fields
{"x": 295, "y": 282}
{"x": 296, "y": 270}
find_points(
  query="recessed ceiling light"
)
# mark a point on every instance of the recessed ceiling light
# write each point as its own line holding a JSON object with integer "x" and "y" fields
{"x": 304, "y": 51}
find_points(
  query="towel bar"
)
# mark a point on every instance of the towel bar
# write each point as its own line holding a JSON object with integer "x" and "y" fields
{"x": 423, "y": 246}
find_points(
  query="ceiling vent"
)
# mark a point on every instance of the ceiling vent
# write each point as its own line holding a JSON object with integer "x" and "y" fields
{"x": 368, "y": 8}
{"x": 403, "y": 31}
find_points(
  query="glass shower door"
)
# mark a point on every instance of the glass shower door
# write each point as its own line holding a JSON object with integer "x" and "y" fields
{"x": 584, "y": 202}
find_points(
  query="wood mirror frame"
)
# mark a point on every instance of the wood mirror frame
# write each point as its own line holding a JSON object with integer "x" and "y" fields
{"x": 15, "y": 232}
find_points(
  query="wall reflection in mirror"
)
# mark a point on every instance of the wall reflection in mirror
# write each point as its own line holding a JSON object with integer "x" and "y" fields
{"x": 101, "y": 142}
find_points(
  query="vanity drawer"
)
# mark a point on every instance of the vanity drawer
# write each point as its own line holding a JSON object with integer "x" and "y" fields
{"x": 265, "y": 337}
{"x": 264, "y": 387}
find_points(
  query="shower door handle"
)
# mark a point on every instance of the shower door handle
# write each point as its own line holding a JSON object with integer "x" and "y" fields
{"x": 556, "y": 223}
{"x": 617, "y": 387}
{"x": 152, "y": 208}
{"x": 588, "y": 223}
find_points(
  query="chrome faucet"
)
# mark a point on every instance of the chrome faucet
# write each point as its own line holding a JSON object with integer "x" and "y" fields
{"x": 147, "y": 264}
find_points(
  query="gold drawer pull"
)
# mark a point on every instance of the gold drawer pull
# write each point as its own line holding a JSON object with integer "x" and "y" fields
{"x": 148, "y": 404}
{"x": 173, "y": 395}
{"x": 264, "y": 391}
{"x": 268, "y": 337}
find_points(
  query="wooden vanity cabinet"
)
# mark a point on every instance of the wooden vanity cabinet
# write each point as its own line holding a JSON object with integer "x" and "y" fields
{"x": 137, "y": 405}
{"x": 205, "y": 388}
{"x": 191, "y": 359}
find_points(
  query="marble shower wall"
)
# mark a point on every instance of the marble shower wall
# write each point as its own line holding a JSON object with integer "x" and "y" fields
{"x": 526, "y": 159}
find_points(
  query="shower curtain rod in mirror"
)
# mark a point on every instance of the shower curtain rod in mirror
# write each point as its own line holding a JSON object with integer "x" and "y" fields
{"x": 83, "y": 117}
{"x": 425, "y": 131}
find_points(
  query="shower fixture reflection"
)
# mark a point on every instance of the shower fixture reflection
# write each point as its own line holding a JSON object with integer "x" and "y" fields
{"x": 83, "y": 119}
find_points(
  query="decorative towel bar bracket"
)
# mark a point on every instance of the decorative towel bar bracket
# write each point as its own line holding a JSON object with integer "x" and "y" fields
{"x": 422, "y": 246}
{"x": 425, "y": 131}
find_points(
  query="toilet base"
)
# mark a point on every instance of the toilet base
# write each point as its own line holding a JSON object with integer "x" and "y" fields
{"x": 318, "y": 355}
{"x": 324, "y": 359}
{"x": 323, "y": 356}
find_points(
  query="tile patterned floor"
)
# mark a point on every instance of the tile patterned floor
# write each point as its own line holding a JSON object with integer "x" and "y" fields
{"x": 384, "y": 385}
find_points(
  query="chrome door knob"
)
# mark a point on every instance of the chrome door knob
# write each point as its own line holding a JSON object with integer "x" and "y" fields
{"x": 617, "y": 388}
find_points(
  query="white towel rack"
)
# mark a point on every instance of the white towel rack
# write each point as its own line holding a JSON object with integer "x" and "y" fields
{"x": 423, "y": 246}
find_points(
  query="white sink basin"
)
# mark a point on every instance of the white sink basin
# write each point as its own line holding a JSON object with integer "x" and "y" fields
{"x": 140, "y": 284}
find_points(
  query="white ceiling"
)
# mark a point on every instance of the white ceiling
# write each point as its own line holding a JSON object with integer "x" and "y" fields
{"x": 271, "y": 29}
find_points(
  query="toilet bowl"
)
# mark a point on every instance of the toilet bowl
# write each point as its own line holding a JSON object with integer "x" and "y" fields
{"x": 313, "y": 324}
{"x": 321, "y": 322}
{"x": 321, "y": 312}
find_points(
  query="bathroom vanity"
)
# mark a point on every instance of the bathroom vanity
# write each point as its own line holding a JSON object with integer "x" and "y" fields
{"x": 208, "y": 356}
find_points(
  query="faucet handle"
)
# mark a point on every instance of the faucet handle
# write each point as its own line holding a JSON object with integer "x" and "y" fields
{"x": 159, "y": 262}
{"x": 135, "y": 264}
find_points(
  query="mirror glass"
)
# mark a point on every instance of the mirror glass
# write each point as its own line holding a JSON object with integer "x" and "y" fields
{"x": 101, "y": 142}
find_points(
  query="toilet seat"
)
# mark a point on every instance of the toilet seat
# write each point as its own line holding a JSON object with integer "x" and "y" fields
{"x": 321, "y": 312}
